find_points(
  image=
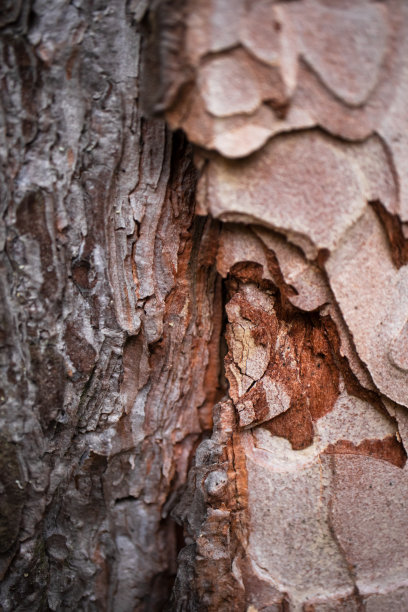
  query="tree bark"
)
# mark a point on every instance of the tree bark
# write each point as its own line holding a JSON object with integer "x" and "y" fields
{"x": 108, "y": 331}
{"x": 205, "y": 289}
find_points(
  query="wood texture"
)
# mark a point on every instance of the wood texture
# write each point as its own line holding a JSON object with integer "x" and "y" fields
{"x": 108, "y": 329}
{"x": 204, "y": 287}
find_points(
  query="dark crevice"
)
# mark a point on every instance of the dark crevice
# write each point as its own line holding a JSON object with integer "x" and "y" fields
{"x": 223, "y": 348}
{"x": 393, "y": 228}
{"x": 123, "y": 500}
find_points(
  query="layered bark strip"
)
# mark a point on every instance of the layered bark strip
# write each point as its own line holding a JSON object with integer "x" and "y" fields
{"x": 298, "y": 110}
{"x": 108, "y": 332}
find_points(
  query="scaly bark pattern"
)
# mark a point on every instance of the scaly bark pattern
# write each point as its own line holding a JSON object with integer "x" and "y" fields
{"x": 210, "y": 330}
{"x": 298, "y": 115}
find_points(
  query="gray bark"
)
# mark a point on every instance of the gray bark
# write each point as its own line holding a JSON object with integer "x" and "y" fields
{"x": 103, "y": 294}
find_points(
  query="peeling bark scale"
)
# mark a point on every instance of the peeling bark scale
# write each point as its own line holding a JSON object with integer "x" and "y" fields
{"x": 204, "y": 289}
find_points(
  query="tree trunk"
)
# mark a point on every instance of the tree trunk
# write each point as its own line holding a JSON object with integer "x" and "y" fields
{"x": 204, "y": 330}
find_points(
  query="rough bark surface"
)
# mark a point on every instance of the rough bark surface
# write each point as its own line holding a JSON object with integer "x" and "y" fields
{"x": 204, "y": 337}
{"x": 108, "y": 329}
{"x": 298, "y": 113}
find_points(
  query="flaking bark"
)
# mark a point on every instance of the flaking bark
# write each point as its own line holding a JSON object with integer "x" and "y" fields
{"x": 204, "y": 330}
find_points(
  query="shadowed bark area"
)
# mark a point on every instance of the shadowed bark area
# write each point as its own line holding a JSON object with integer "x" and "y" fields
{"x": 204, "y": 297}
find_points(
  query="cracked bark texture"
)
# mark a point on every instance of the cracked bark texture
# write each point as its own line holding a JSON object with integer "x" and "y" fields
{"x": 204, "y": 305}
{"x": 298, "y": 113}
{"x": 108, "y": 332}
